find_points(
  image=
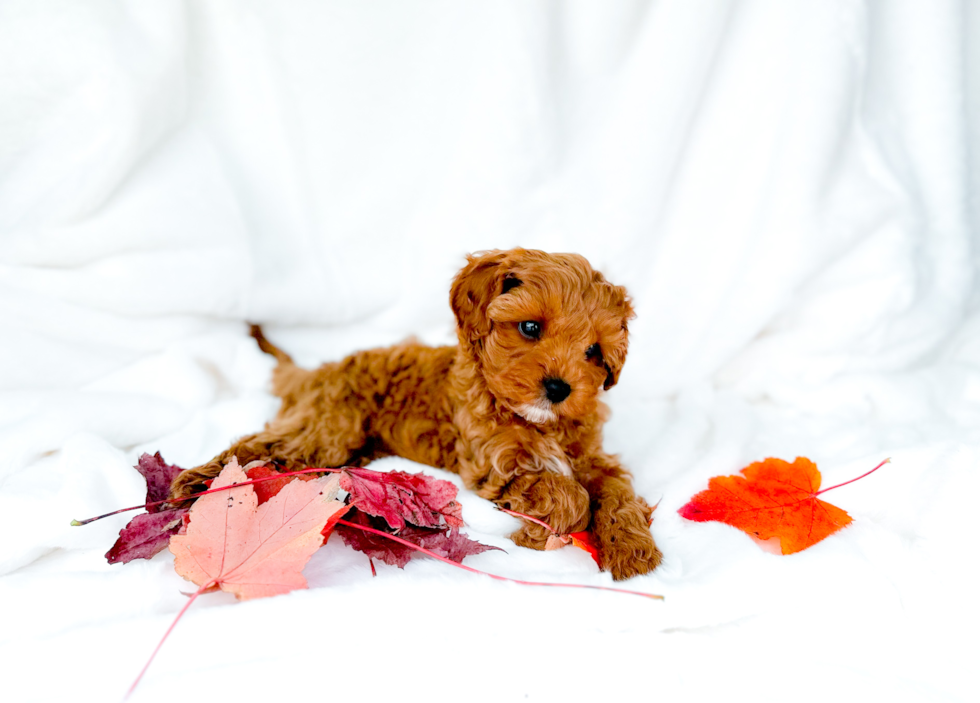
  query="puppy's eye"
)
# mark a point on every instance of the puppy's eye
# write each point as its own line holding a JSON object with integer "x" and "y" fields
{"x": 529, "y": 329}
{"x": 594, "y": 353}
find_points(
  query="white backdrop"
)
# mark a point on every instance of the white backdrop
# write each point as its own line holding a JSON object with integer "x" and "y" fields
{"x": 787, "y": 189}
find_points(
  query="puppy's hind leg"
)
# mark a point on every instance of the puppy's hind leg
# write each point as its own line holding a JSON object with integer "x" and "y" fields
{"x": 296, "y": 439}
{"x": 320, "y": 424}
{"x": 261, "y": 446}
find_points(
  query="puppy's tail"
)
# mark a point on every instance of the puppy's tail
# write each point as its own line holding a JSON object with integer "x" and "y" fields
{"x": 268, "y": 347}
{"x": 287, "y": 378}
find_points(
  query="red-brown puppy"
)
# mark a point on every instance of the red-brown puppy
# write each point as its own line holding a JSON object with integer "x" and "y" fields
{"x": 514, "y": 408}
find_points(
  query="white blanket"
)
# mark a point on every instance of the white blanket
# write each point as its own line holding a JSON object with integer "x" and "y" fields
{"x": 788, "y": 190}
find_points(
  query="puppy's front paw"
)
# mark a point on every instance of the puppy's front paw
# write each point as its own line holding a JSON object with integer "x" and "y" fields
{"x": 560, "y": 501}
{"x": 626, "y": 547}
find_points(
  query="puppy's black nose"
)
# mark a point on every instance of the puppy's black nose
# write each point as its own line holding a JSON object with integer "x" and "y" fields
{"x": 556, "y": 389}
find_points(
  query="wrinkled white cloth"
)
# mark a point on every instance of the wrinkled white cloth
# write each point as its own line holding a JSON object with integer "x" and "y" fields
{"x": 788, "y": 190}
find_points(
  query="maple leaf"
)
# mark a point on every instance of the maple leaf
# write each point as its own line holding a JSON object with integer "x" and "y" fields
{"x": 253, "y": 551}
{"x": 149, "y": 533}
{"x": 586, "y": 541}
{"x": 265, "y": 490}
{"x": 158, "y": 475}
{"x": 375, "y": 546}
{"x": 772, "y": 498}
{"x": 401, "y": 497}
{"x": 333, "y": 520}
{"x": 451, "y": 544}
{"x": 443, "y": 541}
{"x": 269, "y": 489}
{"x": 146, "y": 535}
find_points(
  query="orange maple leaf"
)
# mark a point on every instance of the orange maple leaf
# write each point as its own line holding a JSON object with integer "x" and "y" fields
{"x": 586, "y": 540}
{"x": 772, "y": 498}
{"x": 252, "y": 550}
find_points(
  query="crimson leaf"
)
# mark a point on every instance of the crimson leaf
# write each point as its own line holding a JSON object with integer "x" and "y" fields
{"x": 443, "y": 541}
{"x": 150, "y": 532}
{"x": 402, "y": 498}
{"x": 158, "y": 475}
{"x": 145, "y": 535}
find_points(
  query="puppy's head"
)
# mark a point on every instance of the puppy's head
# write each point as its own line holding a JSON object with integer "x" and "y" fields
{"x": 546, "y": 331}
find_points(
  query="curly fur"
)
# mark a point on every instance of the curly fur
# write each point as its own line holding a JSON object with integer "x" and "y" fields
{"x": 480, "y": 408}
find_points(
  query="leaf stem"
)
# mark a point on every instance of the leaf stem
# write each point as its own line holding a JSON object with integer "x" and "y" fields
{"x": 78, "y": 523}
{"x": 527, "y": 517}
{"x": 183, "y": 610}
{"x": 486, "y": 573}
{"x": 830, "y": 488}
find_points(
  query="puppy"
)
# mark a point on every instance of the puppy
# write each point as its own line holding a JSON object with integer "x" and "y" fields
{"x": 514, "y": 408}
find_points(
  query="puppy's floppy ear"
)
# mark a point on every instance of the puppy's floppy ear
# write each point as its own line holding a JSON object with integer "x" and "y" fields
{"x": 614, "y": 354}
{"x": 480, "y": 281}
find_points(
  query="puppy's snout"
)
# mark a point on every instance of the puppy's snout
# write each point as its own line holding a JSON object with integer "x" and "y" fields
{"x": 556, "y": 389}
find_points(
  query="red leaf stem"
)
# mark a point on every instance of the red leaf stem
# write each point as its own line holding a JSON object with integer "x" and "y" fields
{"x": 830, "y": 488}
{"x": 514, "y": 513}
{"x": 584, "y": 540}
{"x": 166, "y": 634}
{"x": 78, "y": 523}
{"x": 493, "y": 576}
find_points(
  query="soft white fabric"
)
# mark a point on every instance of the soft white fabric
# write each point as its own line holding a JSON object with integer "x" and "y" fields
{"x": 788, "y": 190}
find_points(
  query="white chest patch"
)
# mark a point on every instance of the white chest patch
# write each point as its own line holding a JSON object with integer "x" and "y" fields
{"x": 536, "y": 414}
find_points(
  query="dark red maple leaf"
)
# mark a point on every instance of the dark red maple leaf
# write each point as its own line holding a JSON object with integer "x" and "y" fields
{"x": 374, "y": 546}
{"x": 150, "y": 532}
{"x": 444, "y": 541}
{"x": 402, "y": 498}
{"x": 158, "y": 475}
{"x": 146, "y": 535}
{"x": 451, "y": 544}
